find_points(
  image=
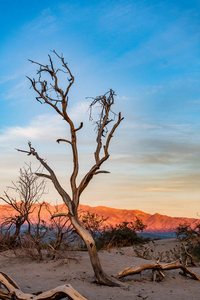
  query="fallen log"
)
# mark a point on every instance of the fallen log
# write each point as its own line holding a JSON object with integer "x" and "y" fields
{"x": 13, "y": 291}
{"x": 156, "y": 266}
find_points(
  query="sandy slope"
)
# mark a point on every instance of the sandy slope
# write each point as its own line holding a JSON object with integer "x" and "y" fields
{"x": 33, "y": 276}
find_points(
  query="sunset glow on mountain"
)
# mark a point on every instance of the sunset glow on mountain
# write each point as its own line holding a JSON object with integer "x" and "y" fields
{"x": 155, "y": 222}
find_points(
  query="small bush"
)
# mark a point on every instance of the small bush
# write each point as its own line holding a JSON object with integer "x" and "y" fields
{"x": 191, "y": 236}
{"x": 120, "y": 235}
{"x": 93, "y": 223}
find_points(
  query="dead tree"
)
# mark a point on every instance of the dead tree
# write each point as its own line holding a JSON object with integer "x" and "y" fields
{"x": 36, "y": 234}
{"x": 187, "y": 254}
{"x": 12, "y": 291}
{"x": 156, "y": 266}
{"x": 28, "y": 191}
{"x": 51, "y": 93}
{"x": 60, "y": 227}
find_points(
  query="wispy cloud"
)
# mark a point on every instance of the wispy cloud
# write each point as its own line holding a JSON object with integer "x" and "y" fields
{"x": 45, "y": 21}
{"x": 127, "y": 16}
{"x": 159, "y": 190}
{"x": 80, "y": 112}
{"x": 6, "y": 78}
{"x": 171, "y": 44}
{"x": 122, "y": 98}
{"x": 43, "y": 128}
{"x": 16, "y": 91}
{"x": 46, "y": 128}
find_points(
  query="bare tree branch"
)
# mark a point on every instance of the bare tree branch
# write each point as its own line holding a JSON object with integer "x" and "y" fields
{"x": 81, "y": 126}
{"x": 43, "y": 175}
{"x": 51, "y": 93}
{"x": 59, "y": 215}
{"x": 102, "y": 124}
{"x": 14, "y": 291}
{"x": 189, "y": 255}
{"x": 28, "y": 191}
{"x": 63, "y": 140}
{"x": 100, "y": 172}
{"x": 66, "y": 198}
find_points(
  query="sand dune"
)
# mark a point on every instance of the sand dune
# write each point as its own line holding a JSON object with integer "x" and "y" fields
{"x": 32, "y": 276}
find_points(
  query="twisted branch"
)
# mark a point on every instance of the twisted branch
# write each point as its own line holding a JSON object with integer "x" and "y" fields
{"x": 158, "y": 267}
{"x": 99, "y": 161}
{"x": 66, "y": 198}
{"x": 14, "y": 291}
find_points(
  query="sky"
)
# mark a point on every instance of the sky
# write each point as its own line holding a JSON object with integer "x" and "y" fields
{"x": 148, "y": 52}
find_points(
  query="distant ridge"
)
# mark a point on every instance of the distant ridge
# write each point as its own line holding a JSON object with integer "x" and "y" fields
{"x": 155, "y": 222}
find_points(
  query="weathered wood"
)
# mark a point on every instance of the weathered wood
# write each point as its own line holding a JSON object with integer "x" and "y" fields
{"x": 145, "y": 251}
{"x": 100, "y": 275}
{"x": 189, "y": 255}
{"x": 159, "y": 268}
{"x": 59, "y": 102}
{"x": 14, "y": 292}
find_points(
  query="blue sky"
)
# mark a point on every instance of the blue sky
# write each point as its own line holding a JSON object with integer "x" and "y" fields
{"x": 149, "y": 53}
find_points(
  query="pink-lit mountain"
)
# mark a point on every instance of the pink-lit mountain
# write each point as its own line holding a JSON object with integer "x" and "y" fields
{"x": 155, "y": 222}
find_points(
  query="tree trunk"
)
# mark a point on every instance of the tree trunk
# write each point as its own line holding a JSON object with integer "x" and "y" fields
{"x": 16, "y": 234}
{"x": 101, "y": 276}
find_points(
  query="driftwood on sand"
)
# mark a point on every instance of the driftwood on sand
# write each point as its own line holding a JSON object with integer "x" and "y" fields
{"x": 156, "y": 266}
{"x": 12, "y": 291}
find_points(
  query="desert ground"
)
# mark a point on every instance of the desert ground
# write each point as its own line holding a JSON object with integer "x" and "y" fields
{"x": 32, "y": 276}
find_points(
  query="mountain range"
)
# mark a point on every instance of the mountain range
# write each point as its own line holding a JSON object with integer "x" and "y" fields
{"x": 155, "y": 222}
